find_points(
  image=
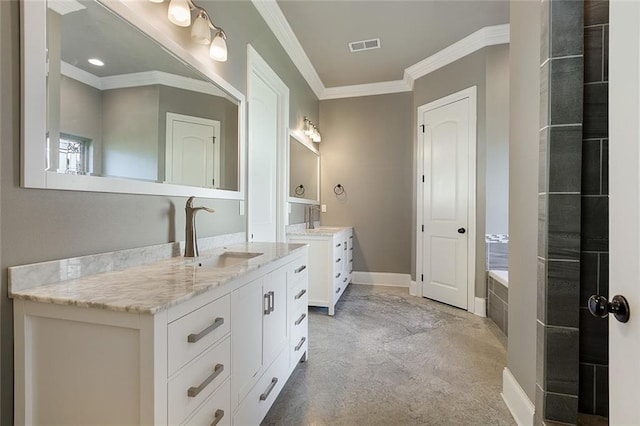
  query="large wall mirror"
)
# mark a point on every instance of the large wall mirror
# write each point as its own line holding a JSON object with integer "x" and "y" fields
{"x": 122, "y": 113}
{"x": 304, "y": 171}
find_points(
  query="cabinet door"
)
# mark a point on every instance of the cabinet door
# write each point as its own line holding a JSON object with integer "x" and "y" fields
{"x": 275, "y": 315}
{"x": 246, "y": 328}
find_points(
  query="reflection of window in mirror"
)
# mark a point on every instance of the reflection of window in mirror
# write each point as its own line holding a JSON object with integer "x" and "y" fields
{"x": 73, "y": 154}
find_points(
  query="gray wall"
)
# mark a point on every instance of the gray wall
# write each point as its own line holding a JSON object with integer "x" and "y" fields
{"x": 40, "y": 225}
{"x": 497, "y": 127}
{"x": 524, "y": 101}
{"x": 303, "y": 170}
{"x": 130, "y": 133}
{"x": 367, "y": 148}
{"x": 81, "y": 115}
{"x": 464, "y": 73}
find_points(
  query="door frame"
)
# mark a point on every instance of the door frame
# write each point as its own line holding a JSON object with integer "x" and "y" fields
{"x": 471, "y": 94}
{"x": 257, "y": 67}
{"x": 171, "y": 117}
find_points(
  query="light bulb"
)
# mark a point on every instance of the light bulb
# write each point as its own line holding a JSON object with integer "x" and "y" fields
{"x": 218, "y": 49}
{"x": 179, "y": 13}
{"x": 156, "y": 1}
{"x": 200, "y": 32}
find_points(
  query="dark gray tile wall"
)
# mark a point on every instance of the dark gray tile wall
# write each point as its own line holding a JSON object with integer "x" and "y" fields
{"x": 497, "y": 303}
{"x": 560, "y": 210}
{"x": 594, "y": 255}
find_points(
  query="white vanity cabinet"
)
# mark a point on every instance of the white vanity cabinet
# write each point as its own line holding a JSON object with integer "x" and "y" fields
{"x": 330, "y": 263}
{"x": 218, "y": 358}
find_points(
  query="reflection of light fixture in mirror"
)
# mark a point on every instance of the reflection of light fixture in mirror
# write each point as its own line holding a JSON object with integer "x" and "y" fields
{"x": 95, "y": 61}
{"x": 180, "y": 14}
{"x": 311, "y": 131}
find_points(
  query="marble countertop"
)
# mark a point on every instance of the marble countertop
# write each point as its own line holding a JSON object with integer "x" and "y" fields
{"x": 156, "y": 286}
{"x": 324, "y": 231}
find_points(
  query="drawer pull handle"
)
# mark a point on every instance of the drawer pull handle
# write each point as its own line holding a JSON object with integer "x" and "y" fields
{"x": 350, "y": 260}
{"x": 339, "y": 245}
{"x": 345, "y": 280}
{"x": 193, "y": 338}
{"x": 299, "y": 345}
{"x": 351, "y": 271}
{"x": 217, "y": 417}
{"x": 338, "y": 261}
{"x": 302, "y": 293}
{"x": 266, "y": 393}
{"x": 194, "y": 391}
{"x": 299, "y": 320}
{"x": 338, "y": 290}
{"x": 338, "y": 276}
{"x": 300, "y": 269}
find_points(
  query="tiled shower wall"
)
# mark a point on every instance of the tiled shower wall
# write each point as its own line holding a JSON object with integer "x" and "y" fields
{"x": 559, "y": 223}
{"x": 594, "y": 271}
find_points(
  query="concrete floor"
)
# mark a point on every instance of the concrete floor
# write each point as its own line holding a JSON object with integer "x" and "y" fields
{"x": 387, "y": 358}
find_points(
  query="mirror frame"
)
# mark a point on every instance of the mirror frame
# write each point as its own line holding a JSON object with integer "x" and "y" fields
{"x": 309, "y": 145}
{"x": 33, "y": 43}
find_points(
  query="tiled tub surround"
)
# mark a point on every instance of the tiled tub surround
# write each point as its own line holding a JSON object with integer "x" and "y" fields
{"x": 165, "y": 341}
{"x": 497, "y": 250}
{"x": 498, "y": 299}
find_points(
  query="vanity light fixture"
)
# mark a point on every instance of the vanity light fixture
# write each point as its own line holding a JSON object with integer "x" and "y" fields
{"x": 180, "y": 14}
{"x": 311, "y": 131}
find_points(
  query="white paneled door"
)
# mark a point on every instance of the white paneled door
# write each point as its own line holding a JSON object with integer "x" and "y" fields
{"x": 624, "y": 209}
{"x": 445, "y": 202}
{"x": 192, "y": 151}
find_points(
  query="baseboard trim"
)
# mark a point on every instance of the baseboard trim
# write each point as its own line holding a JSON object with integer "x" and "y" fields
{"x": 381, "y": 278}
{"x": 518, "y": 403}
{"x": 413, "y": 289}
{"x": 480, "y": 308}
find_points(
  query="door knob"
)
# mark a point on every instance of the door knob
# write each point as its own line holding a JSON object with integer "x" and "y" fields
{"x": 600, "y": 307}
{"x": 461, "y": 230}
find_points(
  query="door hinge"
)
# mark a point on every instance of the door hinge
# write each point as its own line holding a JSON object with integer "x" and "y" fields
{"x": 422, "y": 228}
{"x": 422, "y": 126}
{"x": 422, "y": 178}
{"x": 214, "y": 139}
{"x": 422, "y": 277}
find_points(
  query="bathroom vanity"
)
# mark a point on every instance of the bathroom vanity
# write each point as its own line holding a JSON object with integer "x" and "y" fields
{"x": 330, "y": 262}
{"x": 206, "y": 341}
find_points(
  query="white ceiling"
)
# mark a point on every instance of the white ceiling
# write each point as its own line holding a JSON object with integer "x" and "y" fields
{"x": 409, "y": 31}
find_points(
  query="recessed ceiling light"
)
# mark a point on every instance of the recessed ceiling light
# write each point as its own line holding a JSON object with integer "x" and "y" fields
{"x": 96, "y": 62}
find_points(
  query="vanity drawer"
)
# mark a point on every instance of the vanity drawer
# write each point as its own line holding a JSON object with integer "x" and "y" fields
{"x": 193, "y": 333}
{"x": 297, "y": 272}
{"x": 339, "y": 287}
{"x": 198, "y": 380}
{"x": 255, "y": 405}
{"x": 299, "y": 343}
{"x": 216, "y": 410}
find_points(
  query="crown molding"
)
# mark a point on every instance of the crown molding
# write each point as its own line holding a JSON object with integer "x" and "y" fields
{"x": 487, "y": 36}
{"x": 63, "y": 7}
{"x": 147, "y": 78}
{"x": 275, "y": 19}
{"x": 370, "y": 89}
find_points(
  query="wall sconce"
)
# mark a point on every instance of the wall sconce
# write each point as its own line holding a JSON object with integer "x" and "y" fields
{"x": 311, "y": 130}
{"x": 180, "y": 14}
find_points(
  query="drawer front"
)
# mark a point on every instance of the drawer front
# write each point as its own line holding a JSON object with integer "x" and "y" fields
{"x": 193, "y": 385}
{"x": 299, "y": 338}
{"x": 297, "y": 272}
{"x": 258, "y": 401}
{"x": 215, "y": 411}
{"x": 339, "y": 287}
{"x": 193, "y": 333}
{"x": 298, "y": 300}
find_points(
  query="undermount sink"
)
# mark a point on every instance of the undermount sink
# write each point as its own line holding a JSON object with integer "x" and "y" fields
{"x": 224, "y": 260}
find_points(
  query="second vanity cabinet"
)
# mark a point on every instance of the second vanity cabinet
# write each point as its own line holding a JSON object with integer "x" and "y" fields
{"x": 218, "y": 358}
{"x": 330, "y": 263}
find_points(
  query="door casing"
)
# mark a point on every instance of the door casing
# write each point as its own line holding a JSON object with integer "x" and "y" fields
{"x": 471, "y": 94}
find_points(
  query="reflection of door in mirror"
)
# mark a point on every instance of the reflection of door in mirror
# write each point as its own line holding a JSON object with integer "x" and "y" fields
{"x": 193, "y": 151}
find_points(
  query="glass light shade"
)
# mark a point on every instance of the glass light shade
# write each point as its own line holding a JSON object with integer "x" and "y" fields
{"x": 200, "y": 32}
{"x": 218, "y": 49}
{"x": 179, "y": 13}
{"x": 156, "y": 1}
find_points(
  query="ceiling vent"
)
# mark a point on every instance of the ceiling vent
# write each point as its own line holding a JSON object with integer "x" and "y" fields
{"x": 359, "y": 46}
